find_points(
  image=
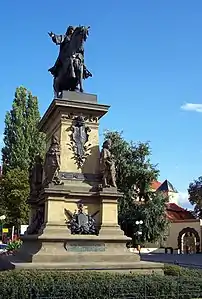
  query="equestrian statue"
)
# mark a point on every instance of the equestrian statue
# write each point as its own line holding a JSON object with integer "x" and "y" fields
{"x": 69, "y": 69}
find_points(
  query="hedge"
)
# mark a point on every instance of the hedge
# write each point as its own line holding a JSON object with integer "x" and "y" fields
{"x": 173, "y": 270}
{"x": 95, "y": 285}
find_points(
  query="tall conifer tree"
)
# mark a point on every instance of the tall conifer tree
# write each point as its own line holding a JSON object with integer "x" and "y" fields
{"x": 22, "y": 141}
{"x": 21, "y": 136}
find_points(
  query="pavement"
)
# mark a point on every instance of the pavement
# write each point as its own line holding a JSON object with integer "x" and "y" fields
{"x": 184, "y": 260}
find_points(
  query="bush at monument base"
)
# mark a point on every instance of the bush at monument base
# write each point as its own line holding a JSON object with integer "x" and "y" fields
{"x": 91, "y": 285}
{"x": 173, "y": 270}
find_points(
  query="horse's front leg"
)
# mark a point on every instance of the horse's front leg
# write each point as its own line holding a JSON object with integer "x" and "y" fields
{"x": 55, "y": 88}
{"x": 81, "y": 86}
{"x": 81, "y": 78}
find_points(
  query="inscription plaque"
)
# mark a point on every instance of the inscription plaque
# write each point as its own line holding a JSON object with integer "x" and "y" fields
{"x": 85, "y": 248}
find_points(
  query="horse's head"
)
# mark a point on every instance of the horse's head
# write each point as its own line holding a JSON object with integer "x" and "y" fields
{"x": 81, "y": 32}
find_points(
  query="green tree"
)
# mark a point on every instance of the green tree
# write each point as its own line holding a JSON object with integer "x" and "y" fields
{"x": 133, "y": 166}
{"x": 15, "y": 191}
{"x": 22, "y": 140}
{"x": 35, "y": 139}
{"x": 195, "y": 196}
{"x": 2, "y": 208}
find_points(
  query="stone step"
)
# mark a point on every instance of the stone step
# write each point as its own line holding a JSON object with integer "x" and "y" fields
{"x": 137, "y": 267}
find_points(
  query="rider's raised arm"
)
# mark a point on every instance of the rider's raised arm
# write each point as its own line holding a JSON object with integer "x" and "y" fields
{"x": 57, "y": 39}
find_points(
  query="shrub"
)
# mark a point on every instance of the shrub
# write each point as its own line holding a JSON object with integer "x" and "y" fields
{"x": 13, "y": 245}
{"x": 93, "y": 285}
{"x": 173, "y": 270}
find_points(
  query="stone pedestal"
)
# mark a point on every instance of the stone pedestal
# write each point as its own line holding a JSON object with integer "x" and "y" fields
{"x": 55, "y": 246}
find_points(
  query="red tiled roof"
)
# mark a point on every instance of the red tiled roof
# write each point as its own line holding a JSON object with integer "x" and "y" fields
{"x": 155, "y": 185}
{"x": 175, "y": 212}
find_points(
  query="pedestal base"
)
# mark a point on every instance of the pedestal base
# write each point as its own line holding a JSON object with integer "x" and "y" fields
{"x": 64, "y": 248}
{"x": 77, "y": 252}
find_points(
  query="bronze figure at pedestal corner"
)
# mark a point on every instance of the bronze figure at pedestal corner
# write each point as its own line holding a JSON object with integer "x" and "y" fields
{"x": 69, "y": 69}
{"x": 35, "y": 178}
{"x": 107, "y": 166}
{"x": 52, "y": 163}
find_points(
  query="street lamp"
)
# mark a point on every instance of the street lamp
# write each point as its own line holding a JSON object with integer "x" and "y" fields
{"x": 139, "y": 222}
{"x": 3, "y": 217}
{"x": 138, "y": 232}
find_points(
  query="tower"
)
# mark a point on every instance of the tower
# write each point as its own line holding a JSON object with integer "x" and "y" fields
{"x": 170, "y": 191}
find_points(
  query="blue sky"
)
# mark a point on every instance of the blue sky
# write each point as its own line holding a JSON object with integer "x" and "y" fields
{"x": 146, "y": 58}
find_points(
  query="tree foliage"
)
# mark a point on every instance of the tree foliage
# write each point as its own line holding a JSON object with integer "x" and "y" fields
{"x": 133, "y": 166}
{"x": 22, "y": 142}
{"x": 195, "y": 196}
{"x": 15, "y": 191}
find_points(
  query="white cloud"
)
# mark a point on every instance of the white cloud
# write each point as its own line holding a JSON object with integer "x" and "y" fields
{"x": 192, "y": 107}
{"x": 183, "y": 200}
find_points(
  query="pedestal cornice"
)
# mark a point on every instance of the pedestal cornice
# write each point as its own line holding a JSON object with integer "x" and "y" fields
{"x": 63, "y": 107}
